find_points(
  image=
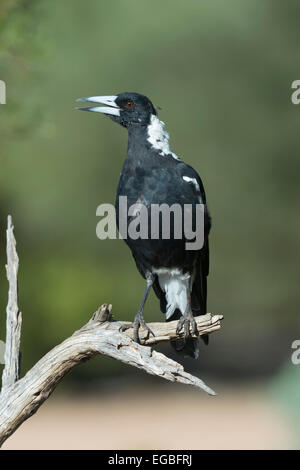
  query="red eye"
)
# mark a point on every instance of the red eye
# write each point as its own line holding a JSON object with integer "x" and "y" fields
{"x": 129, "y": 104}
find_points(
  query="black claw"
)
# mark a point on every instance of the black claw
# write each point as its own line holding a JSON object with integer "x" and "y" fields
{"x": 188, "y": 322}
{"x": 136, "y": 336}
{"x": 138, "y": 322}
{"x": 179, "y": 325}
{"x": 144, "y": 325}
{"x": 194, "y": 327}
{"x": 186, "y": 328}
{"x": 124, "y": 328}
{"x": 150, "y": 332}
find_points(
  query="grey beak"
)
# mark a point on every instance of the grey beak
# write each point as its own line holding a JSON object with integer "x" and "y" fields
{"x": 111, "y": 109}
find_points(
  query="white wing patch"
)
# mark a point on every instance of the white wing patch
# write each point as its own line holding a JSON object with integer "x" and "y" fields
{"x": 193, "y": 181}
{"x": 176, "y": 285}
{"x": 159, "y": 137}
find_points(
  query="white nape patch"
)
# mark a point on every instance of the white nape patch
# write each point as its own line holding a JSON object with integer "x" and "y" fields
{"x": 193, "y": 181}
{"x": 176, "y": 285}
{"x": 159, "y": 137}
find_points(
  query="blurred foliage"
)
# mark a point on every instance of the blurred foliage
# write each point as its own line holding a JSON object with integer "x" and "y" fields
{"x": 20, "y": 46}
{"x": 222, "y": 73}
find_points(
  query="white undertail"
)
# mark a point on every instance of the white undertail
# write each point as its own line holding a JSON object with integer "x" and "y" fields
{"x": 177, "y": 287}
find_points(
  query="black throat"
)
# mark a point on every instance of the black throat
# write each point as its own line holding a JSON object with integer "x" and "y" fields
{"x": 138, "y": 145}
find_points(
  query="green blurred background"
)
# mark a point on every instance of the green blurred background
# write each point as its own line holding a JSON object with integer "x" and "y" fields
{"x": 222, "y": 74}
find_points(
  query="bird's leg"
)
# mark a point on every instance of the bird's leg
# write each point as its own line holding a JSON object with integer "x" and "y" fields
{"x": 139, "y": 319}
{"x": 187, "y": 321}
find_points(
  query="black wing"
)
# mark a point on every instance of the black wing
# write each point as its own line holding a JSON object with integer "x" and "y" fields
{"x": 199, "y": 289}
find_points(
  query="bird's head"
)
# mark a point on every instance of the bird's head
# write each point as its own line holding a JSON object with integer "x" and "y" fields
{"x": 126, "y": 109}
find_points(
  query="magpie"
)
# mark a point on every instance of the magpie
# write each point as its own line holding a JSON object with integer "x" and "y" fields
{"x": 153, "y": 174}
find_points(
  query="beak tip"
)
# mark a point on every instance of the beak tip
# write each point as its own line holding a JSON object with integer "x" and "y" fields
{"x": 111, "y": 109}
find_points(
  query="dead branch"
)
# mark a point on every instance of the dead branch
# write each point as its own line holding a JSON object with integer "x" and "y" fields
{"x": 21, "y": 398}
{"x": 13, "y": 315}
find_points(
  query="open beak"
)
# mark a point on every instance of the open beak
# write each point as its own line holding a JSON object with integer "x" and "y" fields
{"x": 110, "y": 101}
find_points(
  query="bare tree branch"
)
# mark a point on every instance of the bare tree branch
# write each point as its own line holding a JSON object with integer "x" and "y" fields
{"x": 13, "y": 315}
{"x": 167, "y": 331}
{"x": 21, "y": 398}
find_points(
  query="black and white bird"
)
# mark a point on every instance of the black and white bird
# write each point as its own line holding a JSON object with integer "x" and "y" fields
{"x": 153, "y": 174}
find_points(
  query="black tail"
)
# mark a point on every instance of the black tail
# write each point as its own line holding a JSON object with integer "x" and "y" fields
{"x": 190, "y": 347}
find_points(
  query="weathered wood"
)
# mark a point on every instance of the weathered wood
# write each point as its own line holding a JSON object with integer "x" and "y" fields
{"x": 13, "y": 315}
{"x": 21, "y": 398}
{"x": 166, "y": 331}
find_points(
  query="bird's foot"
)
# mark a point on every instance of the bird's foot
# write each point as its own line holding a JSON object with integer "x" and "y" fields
{"x": 137, "y": 323}
{"x": 125, "y": 327}
{"x": 187, "y": 321}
